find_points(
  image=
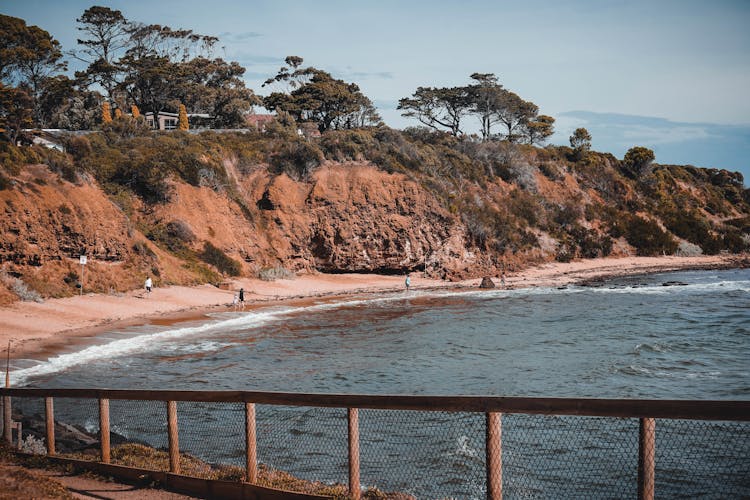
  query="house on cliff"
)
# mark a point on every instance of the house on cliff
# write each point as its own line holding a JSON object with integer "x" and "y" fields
{"x": 171, "y": 121}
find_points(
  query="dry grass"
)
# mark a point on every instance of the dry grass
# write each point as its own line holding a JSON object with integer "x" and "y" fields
{"x": 145, "y": 457}
{"x": 17, "y": 482}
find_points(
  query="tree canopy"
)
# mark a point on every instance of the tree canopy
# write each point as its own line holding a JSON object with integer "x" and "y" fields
{"x": 320, "y": 98}
{"x": 638, "y": 159}
{"x": 580, "y": 141}
{"x": 445, "y": 108}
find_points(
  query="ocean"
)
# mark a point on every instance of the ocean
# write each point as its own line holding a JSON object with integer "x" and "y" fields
{"x": 681, "y": 335}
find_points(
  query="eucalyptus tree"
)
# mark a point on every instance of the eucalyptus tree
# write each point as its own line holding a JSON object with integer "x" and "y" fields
{"x": 486, "y": 94}
{"x": 29, "y": 57}
{"x": 438, "y": 107}
{"x": 538, "y": 130}
{"x": 580, "y": 141}
{"x": 318, "y": 97}
{"x": 106, "y": 35}
{"x": 514, "y": 113}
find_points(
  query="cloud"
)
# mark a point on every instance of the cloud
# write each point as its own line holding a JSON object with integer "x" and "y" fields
{"x": 234, "y": 37}
{"x": 247, "y": 58}
{"x": 384, "y": 75}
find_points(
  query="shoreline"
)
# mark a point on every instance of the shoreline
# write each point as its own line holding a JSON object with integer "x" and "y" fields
{"x": 41, "y": 330}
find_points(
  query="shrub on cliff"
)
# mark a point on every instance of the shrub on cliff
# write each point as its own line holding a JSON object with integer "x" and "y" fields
{"x": 348, "y": 145}
{"x": 638, "y": 160}
{"x": 221, "y": 261}
{"x": 647, "y": 237}
{"x": 297, "y": 159}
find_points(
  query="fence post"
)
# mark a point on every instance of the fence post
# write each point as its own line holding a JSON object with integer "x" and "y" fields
{"x": 494, "y": 455}
{"x": 354, "y": 488}
{"x": 49, "y": 413}
{"x": 19, "y": 432}
{"x": 7, "y": 421}
{"x": 251, "y": 458}
{"x": 174, "y": 445}
{"x": 104, "y": 429}
{"x": 646, "y": 449}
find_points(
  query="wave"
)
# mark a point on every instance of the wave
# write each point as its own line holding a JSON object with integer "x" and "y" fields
{"x": 153, "y": 339}
{"x": 642, "y": 371}
{"x": 147, "y": 341}
{"x": 138, "y": 343}
{"x": 662, "y": 289}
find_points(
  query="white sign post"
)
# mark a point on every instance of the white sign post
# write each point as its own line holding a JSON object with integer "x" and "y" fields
{"x": 83, "y": 263}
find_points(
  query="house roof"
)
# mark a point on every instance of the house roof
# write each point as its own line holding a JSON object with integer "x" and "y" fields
{"x": 259, "y": 119}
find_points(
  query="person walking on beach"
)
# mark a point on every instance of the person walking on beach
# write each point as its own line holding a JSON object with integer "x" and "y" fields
{"x": 148, "y": 284}
{"x": 235, "y": 302}
{"x": 242, "y": 298}
{"x": 407, "y": 282}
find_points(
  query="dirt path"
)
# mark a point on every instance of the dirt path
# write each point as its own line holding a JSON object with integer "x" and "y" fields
{"x": 81, "y": 486}
{"x": 18, "y": 482}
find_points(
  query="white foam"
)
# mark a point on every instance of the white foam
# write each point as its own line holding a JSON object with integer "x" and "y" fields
{"x": 138, "y": 343}
{"x": 659, "y": 289}
{"x": 157, "y": 339}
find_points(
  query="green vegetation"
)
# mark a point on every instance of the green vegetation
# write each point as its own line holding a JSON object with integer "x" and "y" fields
{"x": 217, "y": 258}
{"x": 637, "y": 160}
{"x": 580, "y": 141}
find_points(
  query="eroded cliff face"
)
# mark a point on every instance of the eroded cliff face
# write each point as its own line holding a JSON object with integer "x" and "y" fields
{"x": 346, "y": 218}
{"x": 353, "y": 217}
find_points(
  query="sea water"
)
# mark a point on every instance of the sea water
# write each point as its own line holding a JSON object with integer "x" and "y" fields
{"x": 683, "y": 335}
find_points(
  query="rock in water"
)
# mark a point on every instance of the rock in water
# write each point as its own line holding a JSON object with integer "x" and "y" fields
{"x": 487, "y": 283}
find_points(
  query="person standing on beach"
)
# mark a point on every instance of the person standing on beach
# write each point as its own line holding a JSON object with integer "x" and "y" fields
{"x": 242, "y": 298}
{"x": 407, "y": 282}
{"x": 148, "y": 284}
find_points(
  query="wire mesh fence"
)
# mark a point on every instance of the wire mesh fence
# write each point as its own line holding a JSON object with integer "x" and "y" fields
{"x": 702, "y": 459}
{"x": 406, "y": 453}
{"x": 309, "y": 443}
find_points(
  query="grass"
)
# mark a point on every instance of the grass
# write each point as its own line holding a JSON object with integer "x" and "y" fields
{"x": 145, "y": 457}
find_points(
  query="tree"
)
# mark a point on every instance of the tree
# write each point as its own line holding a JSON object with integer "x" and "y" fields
{"x": 183, "y": 117}
{"x": 55, "y": 94}
{"x": 514, "y": 113}
{"x": 580, "y": 141}
{"x": 638, "y": 159}
{"x": 71, "y": 108}
{"x": 107, "y": 35}
{"x": 149, "y": 82}
{"x": 134, "y": 112}
{"x": 320, "y": 98}
{"x": 16, "y": 109}
{"x": 30, "y": 56}
{"x": 215, "y": 87}
{"x": 288, "y": 75}
{"x": 438, "y": 107}
{"x": 486, "y": 94}
{"x": 106, "y": 114}
{"x": 540, "y": 129}
{"x": 12, "y": 45}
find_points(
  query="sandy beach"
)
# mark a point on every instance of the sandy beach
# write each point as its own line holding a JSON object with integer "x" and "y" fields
{"x": 38, "y": 330}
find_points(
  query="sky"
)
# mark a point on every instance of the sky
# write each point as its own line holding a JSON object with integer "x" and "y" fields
{"x": 671, "y": 75}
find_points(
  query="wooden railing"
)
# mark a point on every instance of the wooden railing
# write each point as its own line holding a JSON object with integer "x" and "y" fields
{"x": 493, "y": 408}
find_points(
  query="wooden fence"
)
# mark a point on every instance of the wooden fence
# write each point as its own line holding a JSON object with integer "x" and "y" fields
{"x": 647, "y": 411}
